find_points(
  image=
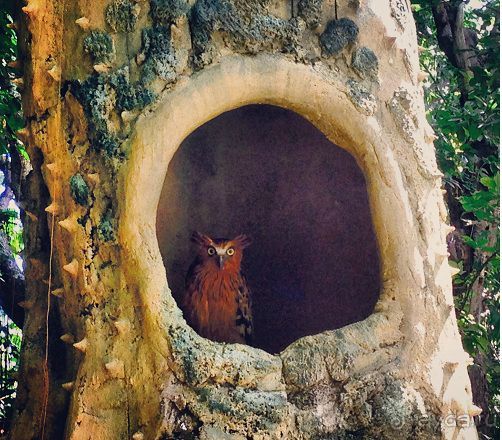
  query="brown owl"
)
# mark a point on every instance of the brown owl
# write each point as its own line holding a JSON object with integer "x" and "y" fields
{"x": 217, "y": 300}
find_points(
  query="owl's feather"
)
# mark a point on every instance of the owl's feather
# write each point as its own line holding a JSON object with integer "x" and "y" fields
{"x": 244, "y": 319}
{"x": 217, "y": 300}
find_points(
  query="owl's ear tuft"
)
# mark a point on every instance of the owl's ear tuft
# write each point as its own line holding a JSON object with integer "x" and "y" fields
{"x": 242, "y": 240}
{"x": 200, "y": 239}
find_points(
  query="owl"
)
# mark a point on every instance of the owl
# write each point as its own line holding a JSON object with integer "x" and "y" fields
{"x": 217, "y": 299}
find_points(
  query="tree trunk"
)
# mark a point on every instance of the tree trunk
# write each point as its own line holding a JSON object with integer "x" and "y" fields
{"x": 111, "y": 89}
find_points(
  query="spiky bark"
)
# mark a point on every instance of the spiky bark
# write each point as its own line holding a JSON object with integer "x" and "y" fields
{"x": 110, "y": 91}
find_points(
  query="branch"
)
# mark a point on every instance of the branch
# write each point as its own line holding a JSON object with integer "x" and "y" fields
{"x": 12, "y": 287}
{"x": 479, "y": 272}
{"x": 456, "y": 41}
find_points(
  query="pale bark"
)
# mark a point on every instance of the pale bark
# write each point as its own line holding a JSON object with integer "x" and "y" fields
{"x": 103, "y": 147}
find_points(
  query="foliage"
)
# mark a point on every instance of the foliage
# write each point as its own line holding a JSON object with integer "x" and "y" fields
{"x": 10, "y": 346}
{"x": 464, "y": 109}
{"x": 11, "y": 120}
{"x": 10, "y": 224}
{"x": 10, "y": 103}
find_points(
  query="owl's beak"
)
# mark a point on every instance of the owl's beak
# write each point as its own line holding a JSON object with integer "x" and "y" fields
{"x": 221, "y": 261}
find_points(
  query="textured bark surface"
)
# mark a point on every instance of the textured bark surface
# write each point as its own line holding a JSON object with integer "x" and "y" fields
{"x": 111, "y": 91}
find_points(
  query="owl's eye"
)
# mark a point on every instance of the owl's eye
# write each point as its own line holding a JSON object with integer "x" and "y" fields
{"x": 230, "y": 251}
{"x": 211, "y": 250}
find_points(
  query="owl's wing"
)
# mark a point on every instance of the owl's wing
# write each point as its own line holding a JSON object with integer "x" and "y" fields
{"x": 191, "y": 274}
{"x": 244, "y": 318}
{"x": 194, "y": 310}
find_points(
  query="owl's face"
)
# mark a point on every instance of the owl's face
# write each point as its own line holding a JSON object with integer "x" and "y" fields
{"x": 224, "y": 254}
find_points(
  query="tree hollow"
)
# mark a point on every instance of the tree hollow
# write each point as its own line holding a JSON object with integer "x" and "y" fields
{"x": 269, "y": 173}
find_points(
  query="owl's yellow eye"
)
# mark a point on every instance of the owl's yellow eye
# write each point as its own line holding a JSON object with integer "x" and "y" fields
{"x": 211, "y": 250}
{"x": 230, "y": 251}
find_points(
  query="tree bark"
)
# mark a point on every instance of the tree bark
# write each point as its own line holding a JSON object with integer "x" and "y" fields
{"x": 459, "y": 45}
{"x": 457, "y": 42}
{"x": 110, "y": 91}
